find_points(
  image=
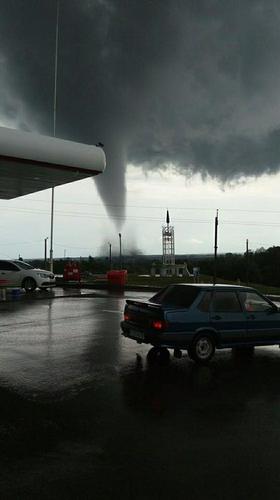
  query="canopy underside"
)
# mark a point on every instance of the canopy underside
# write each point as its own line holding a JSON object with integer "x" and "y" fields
{"x": 19, "y": 178}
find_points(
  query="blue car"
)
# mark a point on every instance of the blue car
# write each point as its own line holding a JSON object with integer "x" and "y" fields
{"x": 200, "y": 318}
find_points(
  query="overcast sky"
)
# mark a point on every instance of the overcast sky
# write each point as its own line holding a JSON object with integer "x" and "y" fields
{"x": 184, "y": 95}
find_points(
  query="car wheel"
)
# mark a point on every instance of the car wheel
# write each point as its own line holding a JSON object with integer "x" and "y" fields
{"x": 29, "y": 284}
{"x": 202, "y": 349}
{"x": 158, "y": 354}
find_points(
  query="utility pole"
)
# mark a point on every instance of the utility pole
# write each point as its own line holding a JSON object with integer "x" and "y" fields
{"x": 45, "y": 255}
{"x": 247, "y": 262}
{"x": 110, "y": 256}
{"x": 216, "y": 247}
{"x": 120, "y": 238}
{"x": 54, "y": 124}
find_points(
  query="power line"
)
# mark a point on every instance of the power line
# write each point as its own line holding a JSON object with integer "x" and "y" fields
{"x": 21, "y": 243}
{"x": 85, "y": 215}
{"x": 159, "y": 207}
{"x": 65, "y": 245}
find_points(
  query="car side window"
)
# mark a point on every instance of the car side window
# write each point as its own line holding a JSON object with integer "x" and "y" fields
{"x": 225, "y": 302}
{"x": 7, "y": 266}
{"x": 253, "y": 302}
{"x": 204, "y": 304}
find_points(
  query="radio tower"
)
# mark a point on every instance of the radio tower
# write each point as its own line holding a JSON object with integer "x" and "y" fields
{"x": 168, "y": 244}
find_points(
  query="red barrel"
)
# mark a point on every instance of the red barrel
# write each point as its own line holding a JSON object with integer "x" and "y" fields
{"x": 72, "y": 272}
{"x": 76, "y": 272}
{"x": 68, "y": 271}
{"x": 117, "y": 278}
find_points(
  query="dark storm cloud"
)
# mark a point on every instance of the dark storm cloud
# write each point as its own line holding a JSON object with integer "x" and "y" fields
{"x": 192, "y": 83}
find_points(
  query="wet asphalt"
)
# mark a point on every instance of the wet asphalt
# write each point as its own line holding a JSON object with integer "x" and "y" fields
{"x": 82, "y": 414}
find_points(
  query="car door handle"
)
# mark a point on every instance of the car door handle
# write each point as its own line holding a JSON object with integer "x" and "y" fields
{"x": 252, "y": 316}
{"x": 216, "y": 317}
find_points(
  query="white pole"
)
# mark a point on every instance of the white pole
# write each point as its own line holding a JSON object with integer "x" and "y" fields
{"x": 120, "y": 237}
{"x": 45, "y": 253}
{"x": 54, "y": 126}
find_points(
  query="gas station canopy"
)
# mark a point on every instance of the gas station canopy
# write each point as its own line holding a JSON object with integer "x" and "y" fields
{"x": 32, "y": 162}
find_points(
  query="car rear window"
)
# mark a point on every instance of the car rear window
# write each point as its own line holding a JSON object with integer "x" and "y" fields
{"x": 178, "y": 296}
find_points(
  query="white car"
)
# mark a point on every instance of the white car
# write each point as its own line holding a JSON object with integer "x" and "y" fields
{"x": 16, "y": 273}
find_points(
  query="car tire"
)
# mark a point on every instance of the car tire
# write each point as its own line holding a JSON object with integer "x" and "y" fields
{"x": 202, "y": 348}
{"x": 29, "y": 284}
{"x": 158, "y": 354}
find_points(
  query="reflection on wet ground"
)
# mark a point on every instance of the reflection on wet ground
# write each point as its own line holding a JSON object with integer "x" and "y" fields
{"x": 84, "y": 416}
{"x": 19, "y": 295}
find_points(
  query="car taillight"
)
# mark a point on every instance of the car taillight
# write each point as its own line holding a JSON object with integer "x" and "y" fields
{"x": 126, "y": 317}
{"x": 159, "y": 324}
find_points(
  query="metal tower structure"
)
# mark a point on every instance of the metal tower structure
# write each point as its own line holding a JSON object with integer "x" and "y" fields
{"x": 168, "y": 243}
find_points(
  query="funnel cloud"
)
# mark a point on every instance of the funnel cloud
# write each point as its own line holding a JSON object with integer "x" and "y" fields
{"x": 188, "y": 83}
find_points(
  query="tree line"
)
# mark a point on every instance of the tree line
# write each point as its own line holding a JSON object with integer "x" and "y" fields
{"x": 261, "y": 266}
